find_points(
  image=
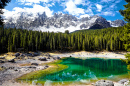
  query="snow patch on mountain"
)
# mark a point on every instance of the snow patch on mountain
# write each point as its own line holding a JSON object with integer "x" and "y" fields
{"x": 59, "y": 22}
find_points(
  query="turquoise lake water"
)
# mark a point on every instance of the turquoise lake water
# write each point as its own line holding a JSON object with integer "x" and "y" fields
{"x": 87, "y": 69}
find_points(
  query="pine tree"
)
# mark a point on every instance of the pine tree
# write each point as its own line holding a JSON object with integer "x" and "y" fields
{"x": 3, "y": 3}
{"x": 126, "y": 14}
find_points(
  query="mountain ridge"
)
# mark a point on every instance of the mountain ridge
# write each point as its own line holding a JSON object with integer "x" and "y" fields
{"x": 60, "y": 22}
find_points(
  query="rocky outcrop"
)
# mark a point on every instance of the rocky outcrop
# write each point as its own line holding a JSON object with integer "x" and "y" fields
{"x": 99, "y": 23}
{"x": 117, "y": 23}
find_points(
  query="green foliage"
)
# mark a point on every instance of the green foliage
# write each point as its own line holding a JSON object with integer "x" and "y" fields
{"x": 67, "y": 31}
{"x": 89, "y": 40}
{"x": 126, "y": 38}
{"x": 126, "y": 11}
{"x": 3, "y": 3}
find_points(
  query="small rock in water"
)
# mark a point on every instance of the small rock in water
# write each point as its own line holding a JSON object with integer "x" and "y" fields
{"x": 104, "y": 83}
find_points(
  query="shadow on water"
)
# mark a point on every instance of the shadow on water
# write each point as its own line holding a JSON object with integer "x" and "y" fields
{"x": 88, "y": 69}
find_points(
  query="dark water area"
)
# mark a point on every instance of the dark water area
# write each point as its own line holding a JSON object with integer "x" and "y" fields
{"x": 88, "y": 69}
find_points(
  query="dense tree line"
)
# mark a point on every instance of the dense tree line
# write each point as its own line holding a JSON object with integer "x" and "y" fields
{"x": 89, "y": 40}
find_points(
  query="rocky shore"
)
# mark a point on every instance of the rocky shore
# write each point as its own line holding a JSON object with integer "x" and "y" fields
{"x": 15, "y": 65}
{"x": 19, "y": 64}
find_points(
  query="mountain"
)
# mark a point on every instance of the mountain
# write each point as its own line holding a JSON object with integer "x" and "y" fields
{"x": 117, "y": 23}
{"x": 59, "y": 22}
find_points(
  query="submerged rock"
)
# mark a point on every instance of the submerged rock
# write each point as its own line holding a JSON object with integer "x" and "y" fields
{"x": 104, "y": 83}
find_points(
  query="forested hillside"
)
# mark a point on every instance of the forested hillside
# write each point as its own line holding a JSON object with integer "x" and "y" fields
{"x": 101, "y": 39}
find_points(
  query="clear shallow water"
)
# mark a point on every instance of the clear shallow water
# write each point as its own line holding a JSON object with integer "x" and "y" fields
{"x": 88, "y": 69}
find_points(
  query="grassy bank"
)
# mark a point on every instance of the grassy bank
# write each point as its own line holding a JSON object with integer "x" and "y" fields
{"x": 53, "y": 68}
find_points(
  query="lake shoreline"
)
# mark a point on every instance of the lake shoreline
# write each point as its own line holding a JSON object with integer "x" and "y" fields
{"x": 82, "y": 54}
{"x": 85, "y": 54}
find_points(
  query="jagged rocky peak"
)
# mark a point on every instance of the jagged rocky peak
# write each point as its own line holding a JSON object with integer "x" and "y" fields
{"x": 59, "y": 22}
{"x": 94, "y": 22}
{"x": 117, "y": 23}
{"x": 100, "y": 23}
{"x": 95, "y": 16}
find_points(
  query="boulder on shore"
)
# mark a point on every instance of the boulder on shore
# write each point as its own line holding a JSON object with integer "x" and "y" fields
{"x": 11, "y": 60}
{"x": 36, "y": 54}
{"x": 29, "y": 54}
{"x": 42, "y": 59}
{"x": 48, "y": 58}
{"x": 2, "y": 57}
{"x": 123, "y": 81}
{"x": 17, "y": 54}
{"x": 36, "y": 64}
{"x": 104, "y": 83}
{"x": 58, "y": 58}
{"x": 2, "y": 61}
{"x": 22, "y": 55}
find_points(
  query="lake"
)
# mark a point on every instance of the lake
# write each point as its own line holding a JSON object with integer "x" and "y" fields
{"x": 83, "y": 70}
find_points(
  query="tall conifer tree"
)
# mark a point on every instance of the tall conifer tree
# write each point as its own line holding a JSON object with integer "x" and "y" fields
{"x": 126, "y": 14}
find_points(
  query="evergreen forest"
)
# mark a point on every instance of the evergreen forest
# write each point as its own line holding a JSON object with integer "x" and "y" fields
{"x": 109, "y": 39}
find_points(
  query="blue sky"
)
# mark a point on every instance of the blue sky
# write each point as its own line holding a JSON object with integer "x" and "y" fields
{"x": 108, "y": 9}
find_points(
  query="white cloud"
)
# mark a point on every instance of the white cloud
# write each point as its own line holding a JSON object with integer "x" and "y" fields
{"x": 85, "y": 15}
{"x": 107, "y": 1}
{"x": 118, "y": 1}
{"x": 73, "y": 9}
{"x": 36, "y": 9}
{"x": 78, "y": 2}
{"x": 99, "y": 7}
{"x": 89, "y": 10}
{"x": 49, "y": 5}
{"x": 30, "y": 4}
{"x": 108, "y": 13}
{"x": 32, "y": 1}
